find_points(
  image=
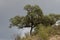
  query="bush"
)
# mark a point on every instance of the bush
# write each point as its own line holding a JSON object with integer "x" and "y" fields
{"x": 45, "y": 32}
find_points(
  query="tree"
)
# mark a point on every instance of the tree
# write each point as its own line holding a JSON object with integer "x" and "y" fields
{"x": 48, "y": 20}
{"x": 55, "y": 16}
{"x": 35, "y": 14}
{"x": 32, "y": 19}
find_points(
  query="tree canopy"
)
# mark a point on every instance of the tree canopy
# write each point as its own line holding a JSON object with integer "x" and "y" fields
{"x": 32, "y": 19}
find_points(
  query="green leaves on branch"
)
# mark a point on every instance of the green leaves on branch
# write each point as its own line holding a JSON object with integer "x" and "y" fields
{"x": 33, "y": 18}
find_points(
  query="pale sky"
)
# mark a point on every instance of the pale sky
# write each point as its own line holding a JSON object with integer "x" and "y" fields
{"x": 10, "y": 8}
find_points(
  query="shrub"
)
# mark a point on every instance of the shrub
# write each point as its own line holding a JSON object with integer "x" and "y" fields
{"x": 45, "y": 32}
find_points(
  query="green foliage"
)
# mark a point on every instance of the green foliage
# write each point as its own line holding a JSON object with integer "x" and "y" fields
{"x": 33, "y": 17}
{"x": 45, "y": 32}
{"x": 55, "y": 16}
{"x": 34, "y": 13}
{"x": 15, "y": 20}
{"x": 48, "y": 20}
{"x": 42, "y": 32}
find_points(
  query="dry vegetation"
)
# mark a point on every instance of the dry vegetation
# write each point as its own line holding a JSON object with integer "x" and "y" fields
{"x": 43, "y": 33}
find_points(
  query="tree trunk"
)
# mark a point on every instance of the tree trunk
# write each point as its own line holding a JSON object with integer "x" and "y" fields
{"x": 31, "y": 30}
